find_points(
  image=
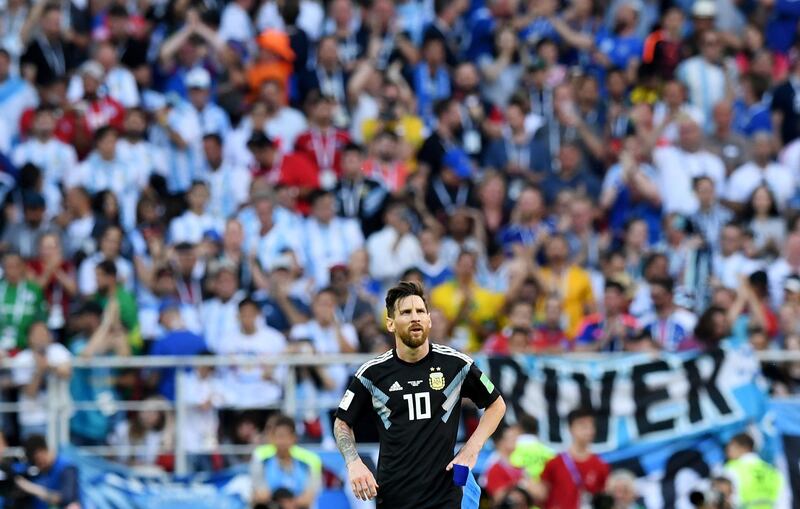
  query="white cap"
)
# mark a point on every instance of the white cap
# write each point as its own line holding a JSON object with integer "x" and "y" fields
{"x": 198, "y": 78}
{"x": 282, "y": 261}
{"x": 93, "y": 69}
{"x": 704, "y": 9}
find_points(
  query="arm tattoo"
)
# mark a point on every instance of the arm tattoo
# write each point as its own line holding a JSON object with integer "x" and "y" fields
{"x": 345, "y": 441}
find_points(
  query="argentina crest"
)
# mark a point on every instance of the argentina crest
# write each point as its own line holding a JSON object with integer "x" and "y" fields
{"x": 436, "y": 379}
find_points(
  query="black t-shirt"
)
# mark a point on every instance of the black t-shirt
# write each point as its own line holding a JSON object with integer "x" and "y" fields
{"x": 416, "y": 408}
{"x": 786, "y": 99}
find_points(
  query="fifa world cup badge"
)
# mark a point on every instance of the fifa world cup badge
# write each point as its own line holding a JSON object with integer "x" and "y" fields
{"x": 436, "y": 379}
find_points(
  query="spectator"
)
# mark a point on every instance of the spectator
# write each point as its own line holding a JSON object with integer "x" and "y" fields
{"x": 151, "y": 431}
{"x": 109, "y": 289}
{"x": 678, "y": 165}
{"x": 49, "y": 55}
{"x": 30, "y": 371}
{"x": 55, "y": 481}
{"x": 762, "y": 169}
{"x": 281, "y": 309}
{"x": 357, "y": 196}
{"x": 323, "y": 143}
{"x": 110, "y": 246}
{"x": 704, "y": 77}
{"x": 567, "y": 281}
{"x": 785, "y": 116}
{"x": 452, "y": 188}
{"x": 753, "y": 478}
{"x": 351, "y": 307}
{"x": 284, "y": 465}
{"x": 204, "y": 392}
{"x": 46, "y": 152}
{"x": 610, "y": 330}
{"x": 228, "y": 184}
{"x": 394, "y": 248}
{"x": 219, "y": 314}
{"x": 520, "y": 316}
{"x": 23, "y": 303}
{"x": 500, "y": 475}
{"x": 55, "y": 275}
{"x": 253, "y": 386}
{"x": 387, "y": 166}
{"x": 576, "y": 473}
{"x": 529, "y": 453}
{"x": 571, "y": 175}
{"x": 20, "y": 96}
{"x": 528, "y": 228}
{"x": 764, "y": 221}
{"x": 724, "y": 141}
{"x": 24, "y": 236}
{"x": 621, "y": 486}
{"x": 471, "y": 311}
{"x": 729, "y": 264}
{"x": 711, "y": 216}
{"x": 196, "y": 221}
{"x": 549, "y": 335}
{"x": 328, "y": 239}
{"x": 99, "y": 333}
{"x": 176, "y": 340}
{"x": 517, "y": 152}
{"x": 671, "y": 327}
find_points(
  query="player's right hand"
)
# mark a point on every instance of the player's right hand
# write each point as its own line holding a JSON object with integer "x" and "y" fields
{"x": 362, "y": 481}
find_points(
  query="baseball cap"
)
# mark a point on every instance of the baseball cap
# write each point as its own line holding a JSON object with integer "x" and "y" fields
{"x": 704, "y": 9}
{"x": 792, "y": 284}
{"x": 93, "y": 69}
{"x": 280, "y": 262}
{"x": 458, "y": 161}
{"x": 168, "y": 305}
{"x": 212, "y": 235}
{"x": 198, "y": 78}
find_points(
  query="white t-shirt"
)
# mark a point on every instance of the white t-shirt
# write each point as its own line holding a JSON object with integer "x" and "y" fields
{"x": 246, "y": 384}
{"x": 388, "y": 262}
{"x": 34, "y": 410}
{"x": 324, "y": 341}
{"x": 677, "y": 169}
{"x": 87, "y": 279}
{"x": 235, "y": 24}
{"x": 728, "y": 269}
{"x": 285, "y": 127}
{"x": 189, "y": 227}
{"x": 201, "y": 425}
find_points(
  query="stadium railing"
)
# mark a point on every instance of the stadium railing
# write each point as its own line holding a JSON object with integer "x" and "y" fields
{"x": 61, "y": 407}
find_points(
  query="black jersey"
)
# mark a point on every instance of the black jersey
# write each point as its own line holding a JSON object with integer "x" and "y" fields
{"x": 417, "y": 408}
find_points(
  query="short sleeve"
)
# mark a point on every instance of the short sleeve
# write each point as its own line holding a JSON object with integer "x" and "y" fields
{"x": 479, "y": 388}
{"x": 355, "y": 399}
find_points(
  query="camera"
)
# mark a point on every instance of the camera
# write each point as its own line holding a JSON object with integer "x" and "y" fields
{"x": 711, "y": 499}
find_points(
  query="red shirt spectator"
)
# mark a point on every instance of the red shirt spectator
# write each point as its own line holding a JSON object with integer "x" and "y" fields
{"x": 570, "y": 478}
{"x": 323, "y": 147}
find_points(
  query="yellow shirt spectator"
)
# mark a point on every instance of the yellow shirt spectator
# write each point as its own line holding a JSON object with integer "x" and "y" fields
{"x": 575, "y": 289}
{"x": 408, "y": 128}
{"x": 570, "y": 282}
{"x": 483, "y": 309}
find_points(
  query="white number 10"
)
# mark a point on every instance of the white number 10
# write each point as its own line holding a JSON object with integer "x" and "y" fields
{"x": 416, "y": 408}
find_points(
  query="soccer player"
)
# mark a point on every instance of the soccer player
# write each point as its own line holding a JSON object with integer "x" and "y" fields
{"x": 414, "y": 392}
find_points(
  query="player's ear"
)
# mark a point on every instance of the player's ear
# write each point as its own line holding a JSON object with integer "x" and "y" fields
{"x": 389, "y": 324}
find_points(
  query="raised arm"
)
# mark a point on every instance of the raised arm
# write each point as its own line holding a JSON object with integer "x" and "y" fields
{"x": 362, "y": 481}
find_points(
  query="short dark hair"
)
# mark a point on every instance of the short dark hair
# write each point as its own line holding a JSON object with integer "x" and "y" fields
{"x": 248, "y": 301}
{"x": 108, "y": 267}
{"x": 401, "y": 291}
{"x": 529, "y": 424}
{"x": 744, "y": 440}
{"x": 664, "y": 282}
{"x": 579, "y": 413}
{"x": 284, "y": 421}
{"x": 214, "y": 137}
{"x": 34, "y": 444}
{"x": 118, "y": 11}
{"x": 613, "y": 284}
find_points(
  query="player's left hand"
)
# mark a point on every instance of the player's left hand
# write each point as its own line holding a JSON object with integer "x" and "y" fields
{"x": 466, "y": 457}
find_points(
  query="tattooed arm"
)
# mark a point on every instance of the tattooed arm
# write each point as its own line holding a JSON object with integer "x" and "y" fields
{"x": 362, "y": 481}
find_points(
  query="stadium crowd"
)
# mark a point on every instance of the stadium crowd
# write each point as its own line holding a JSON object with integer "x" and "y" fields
{"x": 192, "y": 177}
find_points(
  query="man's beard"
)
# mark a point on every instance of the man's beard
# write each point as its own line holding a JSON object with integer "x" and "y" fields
{"x": 411, "y": 341}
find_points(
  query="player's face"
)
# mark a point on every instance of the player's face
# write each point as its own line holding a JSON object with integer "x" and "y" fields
{"x": 411, "y": 321}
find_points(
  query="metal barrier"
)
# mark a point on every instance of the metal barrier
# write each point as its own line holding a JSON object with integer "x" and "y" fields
{"x": 60, "y": 406}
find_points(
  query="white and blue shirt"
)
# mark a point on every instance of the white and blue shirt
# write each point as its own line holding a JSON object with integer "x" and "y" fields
{"x": 189, "y": 227}
{"x": 229, "y": 186}
{"x": 330, "y": 244}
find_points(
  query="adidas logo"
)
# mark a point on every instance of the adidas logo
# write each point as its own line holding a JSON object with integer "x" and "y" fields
{"x": 395, "y": 387}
